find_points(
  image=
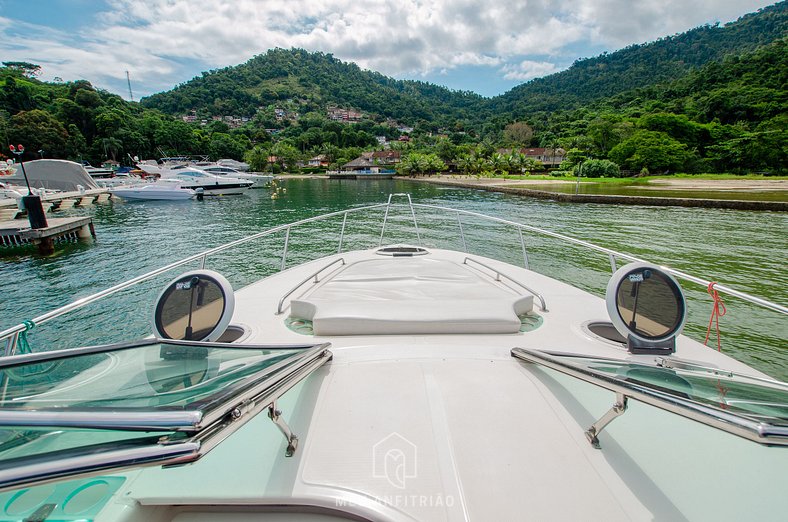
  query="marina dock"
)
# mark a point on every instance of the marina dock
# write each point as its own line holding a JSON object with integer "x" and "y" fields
{"x": 17, "y": 232}
{"x": 64, "y": 200}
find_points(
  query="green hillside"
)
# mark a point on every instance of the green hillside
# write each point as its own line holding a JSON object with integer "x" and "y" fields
{"x": 639, "y": 66}
{"x": 709, "y": 100}
{"x": 314, "y": 81}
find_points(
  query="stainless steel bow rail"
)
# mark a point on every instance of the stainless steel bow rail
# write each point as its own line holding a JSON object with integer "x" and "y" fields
{"x": 11, "y": 335}
{"x": 499, "y": 275}
{"x": 749, "y": 428}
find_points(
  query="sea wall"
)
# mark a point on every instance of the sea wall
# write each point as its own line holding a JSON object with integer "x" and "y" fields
{"x": 777, "y": 206}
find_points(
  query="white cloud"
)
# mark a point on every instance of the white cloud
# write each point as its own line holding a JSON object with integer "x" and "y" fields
{"x": 528, "y": 70}
{"x": 162, "y": 41}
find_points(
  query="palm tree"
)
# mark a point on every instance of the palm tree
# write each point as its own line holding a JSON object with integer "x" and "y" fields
{"x": 111, "y": 147}
{"x": 498, "y": 163}
{"x": 330, "y": 151}
{"x": 435, "y": 164}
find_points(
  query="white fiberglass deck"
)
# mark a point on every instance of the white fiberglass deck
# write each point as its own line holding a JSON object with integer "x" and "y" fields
{"x": 404, "y": 424}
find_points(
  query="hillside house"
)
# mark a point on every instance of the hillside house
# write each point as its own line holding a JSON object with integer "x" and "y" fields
{"x": 343, "y": 115}
{"x": 377, "y": 161}
{"x": 550, "y": 158}
{"x": 318, "y": 161}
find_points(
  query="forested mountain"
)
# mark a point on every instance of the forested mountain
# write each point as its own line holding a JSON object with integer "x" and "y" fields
{"x": 314, "y": 81}
{"x": 639, "y": 66}
{"x": 713, "y": 99}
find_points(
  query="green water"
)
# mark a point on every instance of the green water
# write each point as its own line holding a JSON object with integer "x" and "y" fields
{"x": 635, "y": 189}
{"x": 745, "y": 250}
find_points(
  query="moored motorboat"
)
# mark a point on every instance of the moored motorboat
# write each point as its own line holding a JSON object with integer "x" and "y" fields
{"x": 260, "y": 180}
{"x": 413, "y": 379}
{"x": 164, "y": 189}
{"x": 212, "y": 184}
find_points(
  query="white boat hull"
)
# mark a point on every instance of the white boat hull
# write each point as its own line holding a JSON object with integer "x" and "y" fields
{"x": 154, "y": 193}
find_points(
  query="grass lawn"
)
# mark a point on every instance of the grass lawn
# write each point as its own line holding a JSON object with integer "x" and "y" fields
{"x": 645, "y": 179}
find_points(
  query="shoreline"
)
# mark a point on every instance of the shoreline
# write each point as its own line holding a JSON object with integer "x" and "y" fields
{"x": 519, "y": 187}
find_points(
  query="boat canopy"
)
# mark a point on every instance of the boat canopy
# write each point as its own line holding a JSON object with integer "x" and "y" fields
{"x": 79, "y": 411}
{"x": 54, "y": 174}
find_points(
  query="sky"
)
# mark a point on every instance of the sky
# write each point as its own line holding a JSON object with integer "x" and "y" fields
{"x": 483, "y": 46}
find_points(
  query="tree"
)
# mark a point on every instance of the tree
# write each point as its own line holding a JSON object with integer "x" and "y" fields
{"x": 574, "y": 157}
{"x": 655, "y": 151}
{"x": 596, "y": 168}
{"x": 26, "y": 68}
{"x": 15, "y": 96}
{"x": 88, "y": 98}
{"x": 257, "y": 158}
{"x": 111, "y": 147}
{"x": 225, "y": 146}
{"x": 38, "y": 130}
{"x": 519, "y": 133}
{"x": 287, "y": 154}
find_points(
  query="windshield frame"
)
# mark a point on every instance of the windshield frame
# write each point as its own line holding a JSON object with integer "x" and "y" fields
{"x": 146, "y": 437}
{"x": 736, "y": 423}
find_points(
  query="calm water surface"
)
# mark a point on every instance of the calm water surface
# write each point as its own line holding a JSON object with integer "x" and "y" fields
{"x": 642, "y": 190}
{"x": 745, "y": 250}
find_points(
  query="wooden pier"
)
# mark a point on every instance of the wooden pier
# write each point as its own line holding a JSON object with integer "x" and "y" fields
{"x": 360, "y": 175}
{"x": 17, "y": 232}
{"x": 63, "y": 200}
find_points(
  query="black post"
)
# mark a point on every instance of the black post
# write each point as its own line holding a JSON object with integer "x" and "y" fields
{"x": 32, "y": 204}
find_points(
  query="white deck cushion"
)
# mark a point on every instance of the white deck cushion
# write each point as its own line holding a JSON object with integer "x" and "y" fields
{"x": 411, "y": 295}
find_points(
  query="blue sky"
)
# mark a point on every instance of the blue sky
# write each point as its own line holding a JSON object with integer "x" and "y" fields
{"x": 485, "y": 47}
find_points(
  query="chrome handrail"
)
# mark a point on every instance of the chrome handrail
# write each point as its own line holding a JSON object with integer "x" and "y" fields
{"x": 736, "y": 424}
{"x": 11, "y": 334}
{"x": 499, "y": 274}
{"x": 610, "y": 252}
{"x": 299, "y": 285}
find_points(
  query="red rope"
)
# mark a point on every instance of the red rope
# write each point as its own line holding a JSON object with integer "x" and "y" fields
{"x": 717, "y": 311}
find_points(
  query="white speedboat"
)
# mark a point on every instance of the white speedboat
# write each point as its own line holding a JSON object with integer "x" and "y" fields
{"x": 12, "y": 191}
{"x": 396, "y": 382}
{"x": 260, "y": 180}
{"x": 7, "y": 168}
{"x": 164, "y": 189}
{"x": 212, "y": 184}
{"x": 234, "y": 164}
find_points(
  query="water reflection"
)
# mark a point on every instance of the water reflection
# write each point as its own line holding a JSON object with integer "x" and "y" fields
{"x": 745, "y": 250}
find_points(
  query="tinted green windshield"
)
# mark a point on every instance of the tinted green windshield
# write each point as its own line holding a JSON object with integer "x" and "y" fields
{"x": 756, "y": 398}
{"x": 161, "y": 377}
{"x": 89, "y": 409}
{"x": 747, "y": 406}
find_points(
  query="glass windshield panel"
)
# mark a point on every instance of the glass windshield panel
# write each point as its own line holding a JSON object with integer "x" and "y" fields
{"x": 95, "y": 409}
{"x": 649, "y": 303}
{"x": 23, "y": 445}
{"x": 766, "y": 401}
{"x": 160, "y": 376}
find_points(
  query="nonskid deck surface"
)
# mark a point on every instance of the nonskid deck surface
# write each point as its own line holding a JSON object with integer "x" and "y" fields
{"x": 448, "y": 426}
